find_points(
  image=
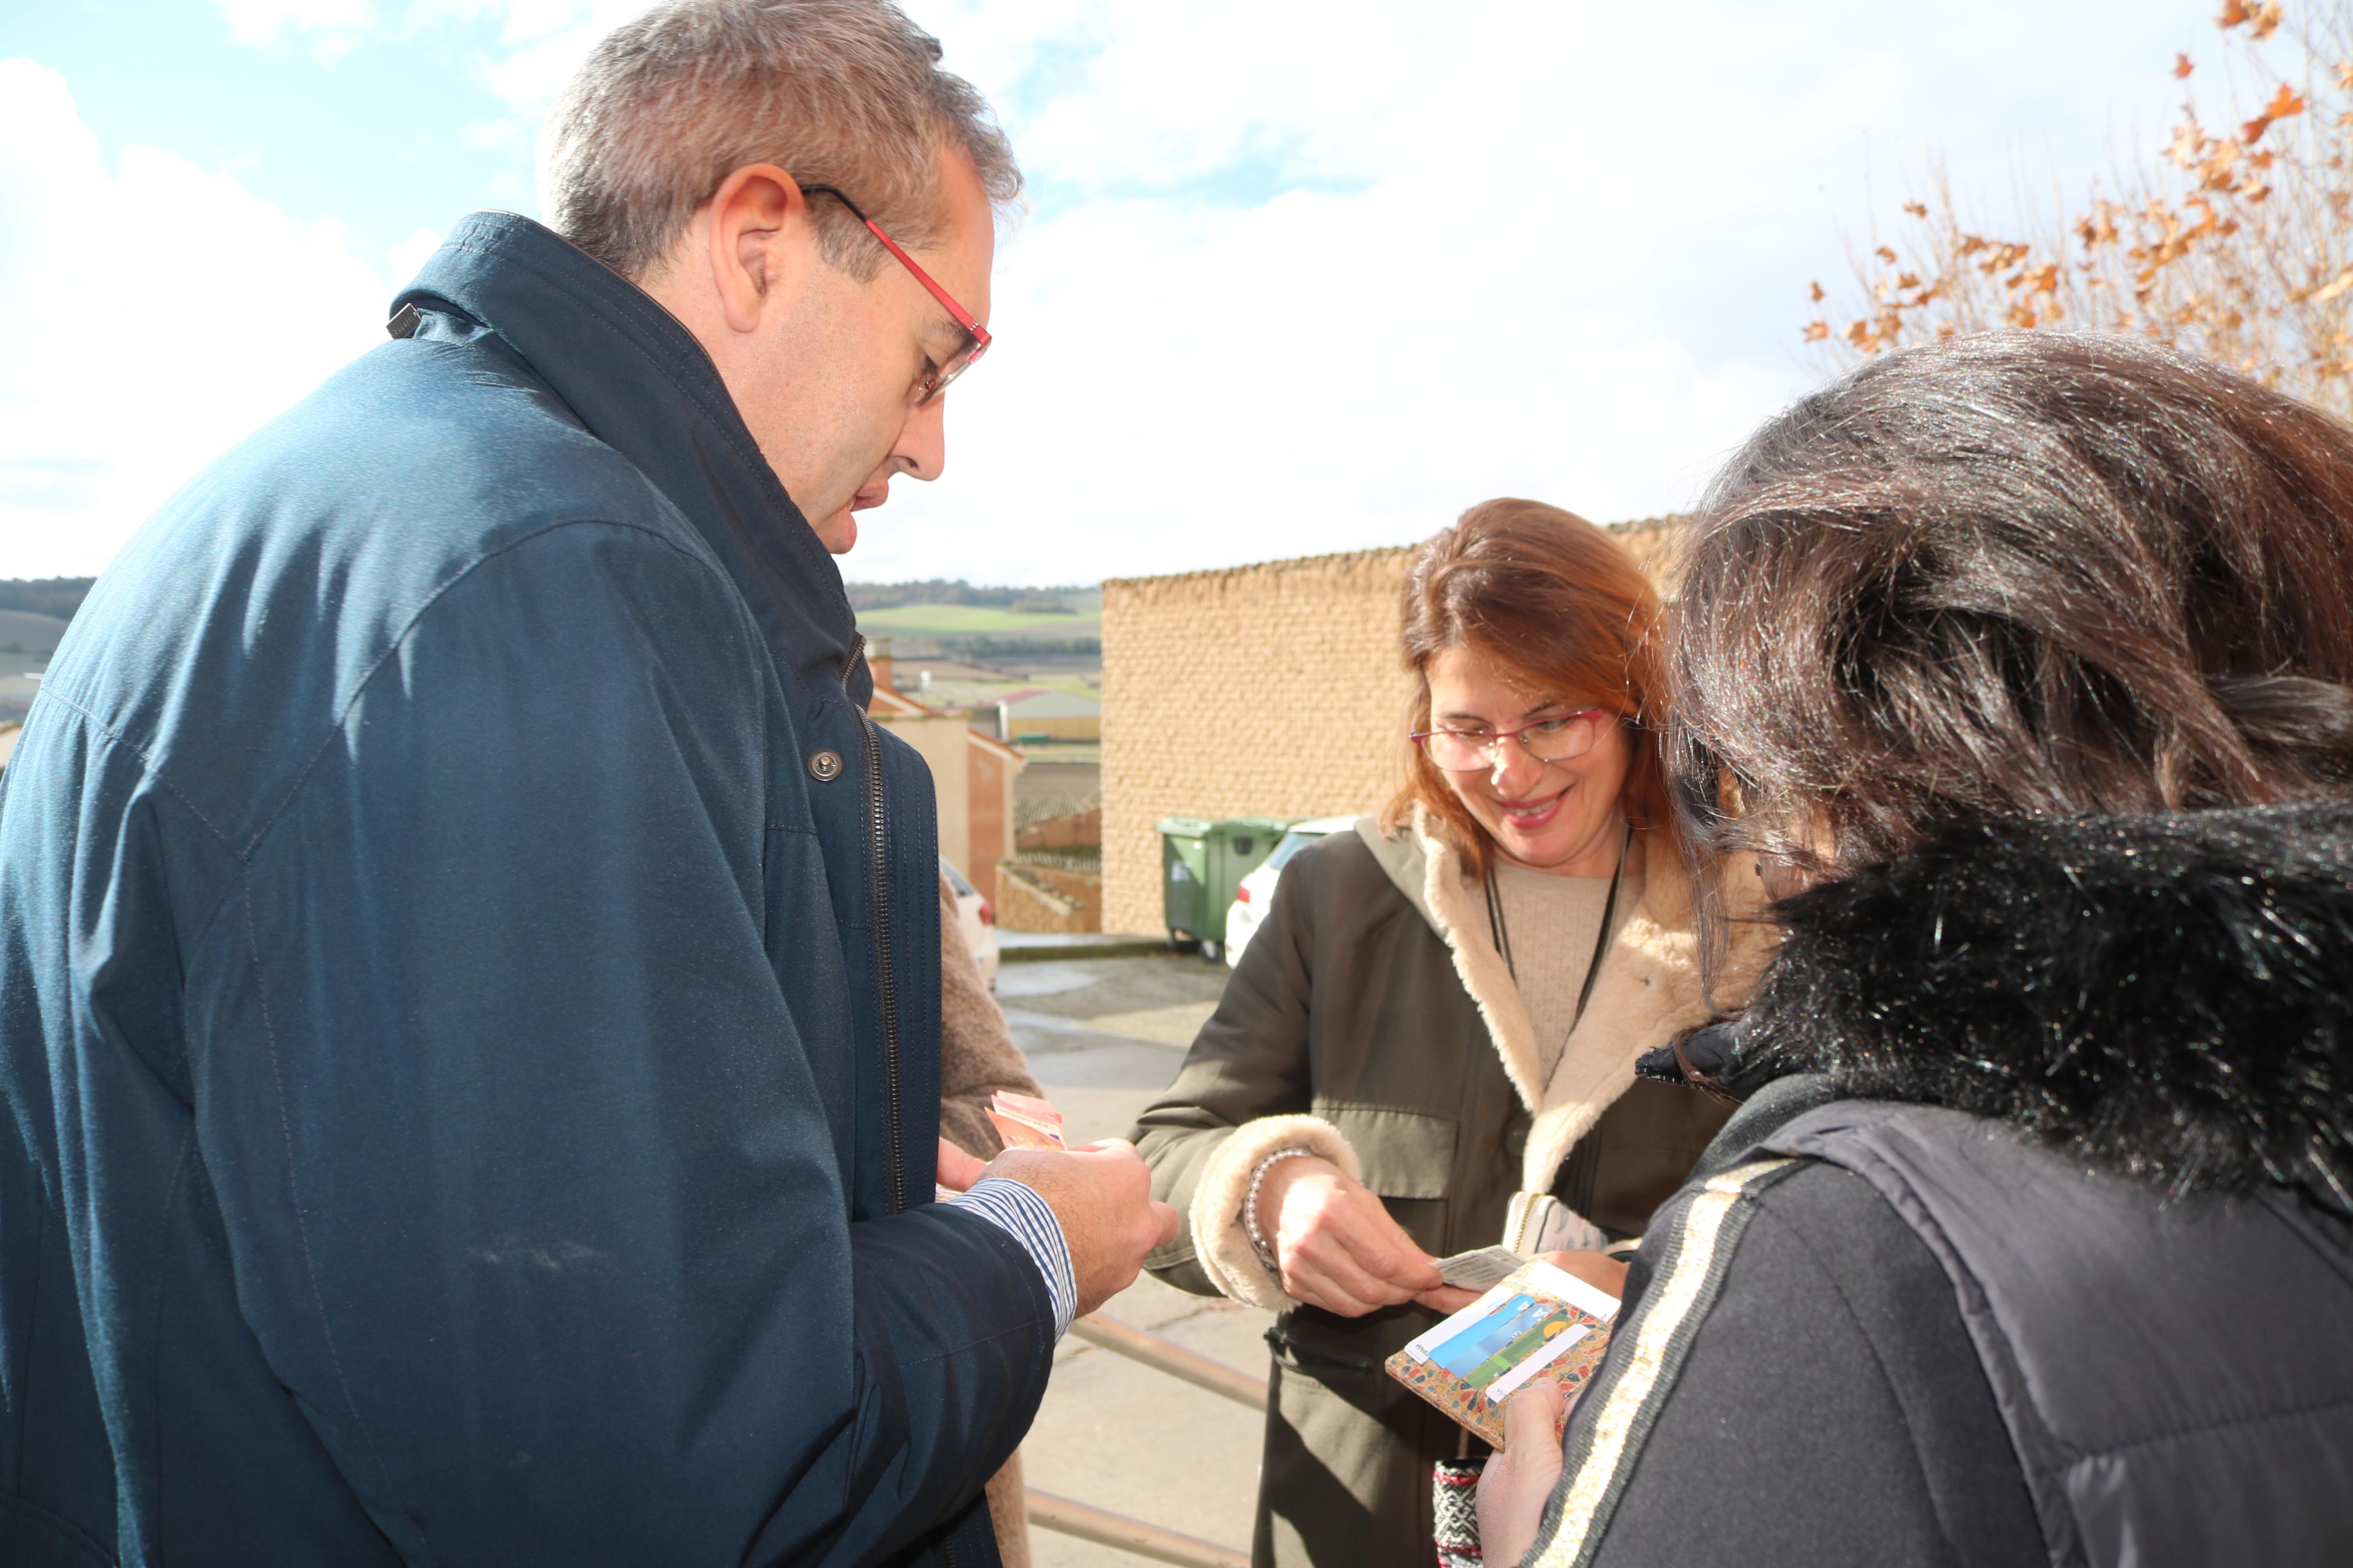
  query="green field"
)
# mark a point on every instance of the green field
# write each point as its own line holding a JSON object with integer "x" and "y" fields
{"x": 973, "y": 620}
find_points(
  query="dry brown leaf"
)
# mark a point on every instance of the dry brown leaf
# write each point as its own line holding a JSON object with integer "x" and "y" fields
{"x": 2191, "y": 250}
{"x": 2188, "y": 143}
{"x": 2285, "y": 104}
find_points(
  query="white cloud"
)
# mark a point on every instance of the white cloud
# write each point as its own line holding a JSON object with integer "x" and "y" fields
{"x": 333, "y": 26}
{"x": 155, "y": 314}
{"x": 1300, "y": 278}
{"x": 404, "y": 260}
{"x": 1548, "y": 250}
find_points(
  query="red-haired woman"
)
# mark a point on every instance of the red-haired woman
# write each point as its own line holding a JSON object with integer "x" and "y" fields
{"x": 1431, "y": 1044}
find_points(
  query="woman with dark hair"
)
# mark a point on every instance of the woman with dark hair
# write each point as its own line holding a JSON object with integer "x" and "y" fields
{"x": 2026, "y": 662}
{"x": 1430, "y": 1046}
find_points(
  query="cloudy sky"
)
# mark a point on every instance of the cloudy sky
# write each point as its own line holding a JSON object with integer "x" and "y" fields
{"x": 1297, "y": 276}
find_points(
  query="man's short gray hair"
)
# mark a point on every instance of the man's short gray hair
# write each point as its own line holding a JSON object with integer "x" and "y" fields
{"x": 847, "y": 93}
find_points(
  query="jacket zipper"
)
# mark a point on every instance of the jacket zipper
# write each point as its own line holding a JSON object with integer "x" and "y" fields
{"x": 878, "y": 860}
{"x": 886, "y": 979}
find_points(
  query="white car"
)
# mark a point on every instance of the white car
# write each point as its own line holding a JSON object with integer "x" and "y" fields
{"x": 1257, "y": 890}
{"x": 976, "y": 919}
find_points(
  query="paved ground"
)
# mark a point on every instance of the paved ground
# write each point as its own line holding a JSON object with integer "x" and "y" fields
{"x": 1104, "y": 1036}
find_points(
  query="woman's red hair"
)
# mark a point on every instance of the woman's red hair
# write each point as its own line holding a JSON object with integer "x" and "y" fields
{"x": 1559, "y": 606}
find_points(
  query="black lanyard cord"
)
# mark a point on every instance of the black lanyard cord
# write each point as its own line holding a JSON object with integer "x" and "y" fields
{"x": 1501, "y": 930}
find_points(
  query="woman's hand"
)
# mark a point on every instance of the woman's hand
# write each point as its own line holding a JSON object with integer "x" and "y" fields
{"x": 1335, "y": 1245}
{"x": 1599, "y": 1269}
{"x": 1519, "y": 1482}
{"x": 1602, "y": 1270}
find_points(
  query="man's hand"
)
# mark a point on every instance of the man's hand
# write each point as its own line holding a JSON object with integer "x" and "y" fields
{"x": 1333, "y": 1242}
{"x": 958, "y": 1170}
{"x": 1102, "y": 1198}
{"x": 1518, "y": 1482}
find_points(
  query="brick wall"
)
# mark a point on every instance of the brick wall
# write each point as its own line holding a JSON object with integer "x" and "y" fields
{"x": 1070, "y": 830}
{"x": 988, "y": 827}
{"x": 1037, "y": 898}
{"x": 1271, "y": 690}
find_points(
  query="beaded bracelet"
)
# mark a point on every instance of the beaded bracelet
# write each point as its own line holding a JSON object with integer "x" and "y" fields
{"x": 1250, "y": 1209}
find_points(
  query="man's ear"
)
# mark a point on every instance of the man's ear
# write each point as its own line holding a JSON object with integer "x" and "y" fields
{"x": 762, "y": 245}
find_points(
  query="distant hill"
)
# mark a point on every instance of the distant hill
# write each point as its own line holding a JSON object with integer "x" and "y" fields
{"x": 864, "y": 596}
{"x": 58, "y": 596}
{"x": 26, "y": 631}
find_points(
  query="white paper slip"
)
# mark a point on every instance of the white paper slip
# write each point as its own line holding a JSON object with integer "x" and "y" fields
{"x": 1478, "y": 1269}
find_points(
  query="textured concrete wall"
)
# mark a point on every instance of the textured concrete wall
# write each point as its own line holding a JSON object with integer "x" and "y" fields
{"x": 1271, "y": 690}
{"x": 1258, "y": 690}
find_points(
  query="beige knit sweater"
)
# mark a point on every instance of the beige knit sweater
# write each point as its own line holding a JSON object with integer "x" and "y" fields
{"x": 977, "y": 1058}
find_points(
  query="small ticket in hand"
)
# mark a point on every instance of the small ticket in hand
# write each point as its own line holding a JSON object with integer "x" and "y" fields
{"x": 1480, "y": 1267}
{"x": 1025, "y": 1122}
{"x": 1536, "y": 1322}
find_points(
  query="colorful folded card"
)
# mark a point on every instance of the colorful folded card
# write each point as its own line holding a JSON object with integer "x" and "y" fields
{"x": 1539, "y": 1322}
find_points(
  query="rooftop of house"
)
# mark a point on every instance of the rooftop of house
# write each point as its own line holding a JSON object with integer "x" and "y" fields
{"x": 1045, "y": 702}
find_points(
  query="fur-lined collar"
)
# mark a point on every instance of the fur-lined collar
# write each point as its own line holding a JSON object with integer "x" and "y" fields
{"x": 1648, "y": 989}
{"x": 2171, "y": 998}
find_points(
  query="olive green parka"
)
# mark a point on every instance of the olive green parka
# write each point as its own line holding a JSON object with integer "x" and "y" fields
{"x": 1373, "y": 1021}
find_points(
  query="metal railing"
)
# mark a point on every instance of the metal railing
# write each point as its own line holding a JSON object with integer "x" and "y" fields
{"x": 1172, "y": 1359}
{"x": 1087, "y": 1522}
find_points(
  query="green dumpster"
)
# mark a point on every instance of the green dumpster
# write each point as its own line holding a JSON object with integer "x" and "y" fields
{"x": 1201, "y": 864}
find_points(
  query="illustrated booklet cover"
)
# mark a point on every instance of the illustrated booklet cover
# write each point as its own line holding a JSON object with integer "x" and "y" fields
{"x": 1538, "y": 1322}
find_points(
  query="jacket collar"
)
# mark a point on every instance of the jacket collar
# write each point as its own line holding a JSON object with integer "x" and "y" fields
{"x": 638, "y": 381}
{"x": 1650, "y": 987}
{"x": 2165, "y": 996}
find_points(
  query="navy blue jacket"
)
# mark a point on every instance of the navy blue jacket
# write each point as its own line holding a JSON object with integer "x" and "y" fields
{"x": 469, "y": 1001}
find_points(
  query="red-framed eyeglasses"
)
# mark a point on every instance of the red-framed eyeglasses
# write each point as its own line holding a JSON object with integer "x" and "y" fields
{"x": 977, "y": 335}
{"x": 1563, "y": 738}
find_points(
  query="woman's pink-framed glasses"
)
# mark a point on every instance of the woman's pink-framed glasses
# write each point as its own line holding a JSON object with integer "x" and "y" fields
{"x": 1563, "y": 738}
{"x": 977, "y": 342}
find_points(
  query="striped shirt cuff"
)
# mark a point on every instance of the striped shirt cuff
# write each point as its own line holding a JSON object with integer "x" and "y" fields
{"x": 1025, "y": 1216}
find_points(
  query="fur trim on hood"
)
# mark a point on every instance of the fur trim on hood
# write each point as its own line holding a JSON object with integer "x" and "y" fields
{"x": 1648, "y": 989}
{"x": 2169, "y": 997}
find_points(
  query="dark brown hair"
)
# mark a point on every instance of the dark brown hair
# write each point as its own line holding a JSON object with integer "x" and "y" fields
{"x": 2023, "y": 575}
{"x": 1554, "y": 600}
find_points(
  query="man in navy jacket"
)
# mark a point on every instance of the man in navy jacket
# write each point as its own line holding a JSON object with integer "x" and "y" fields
{"x": 469, "y": 1003}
